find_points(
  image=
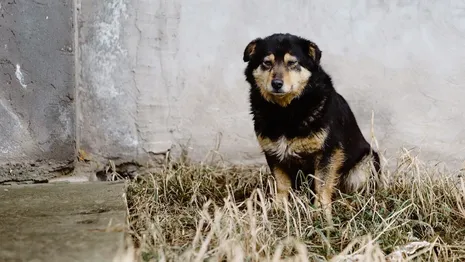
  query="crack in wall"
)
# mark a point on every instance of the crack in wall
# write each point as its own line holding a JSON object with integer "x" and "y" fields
{"x": 154, "y": 48}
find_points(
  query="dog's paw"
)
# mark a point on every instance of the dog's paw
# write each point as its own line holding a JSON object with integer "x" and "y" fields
{"x": 281, "y": 200}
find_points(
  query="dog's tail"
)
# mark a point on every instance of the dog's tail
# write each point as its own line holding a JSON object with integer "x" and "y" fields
{"x": 376, "y": 171}
{"x": 376, "y": 161}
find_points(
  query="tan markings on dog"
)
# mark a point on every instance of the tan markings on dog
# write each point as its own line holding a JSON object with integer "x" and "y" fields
{"x": 279, "y": 148}
{"x": 295, "y": 78}
{"x": 269, "y": 58}
{"x": 283, "y": 184}
{"x": 309, "y": 144}
{"x": 250, "y": 49}
{"x": 288, "y": 58}
{"x": 326, "y": 181}
{"x": 311, "y": 50}
{"x": 284, "y": 148}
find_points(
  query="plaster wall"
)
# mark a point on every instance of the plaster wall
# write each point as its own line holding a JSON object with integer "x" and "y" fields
{"x": 168, "y": 75}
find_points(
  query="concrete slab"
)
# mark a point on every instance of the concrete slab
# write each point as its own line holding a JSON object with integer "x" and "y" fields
{"x": 63, "y": 222}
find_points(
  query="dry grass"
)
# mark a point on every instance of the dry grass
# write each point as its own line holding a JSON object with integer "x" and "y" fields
{"x": 205, "y": 213}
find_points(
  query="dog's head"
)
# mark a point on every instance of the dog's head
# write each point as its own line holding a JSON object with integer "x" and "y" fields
{"x": 281, "y": 65}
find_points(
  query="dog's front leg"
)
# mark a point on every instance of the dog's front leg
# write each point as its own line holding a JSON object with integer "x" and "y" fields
{"x": 324, "y": 188}
{"x": 326, "y": 179}
{"x": 283, "y": 184}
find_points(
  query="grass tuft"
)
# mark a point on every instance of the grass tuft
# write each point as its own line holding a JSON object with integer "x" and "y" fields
{"x": 207, "y": 213}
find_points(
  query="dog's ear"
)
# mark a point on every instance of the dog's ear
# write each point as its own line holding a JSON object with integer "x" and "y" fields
{"x": 250, "y": 49}
{"x": 312, "y": 50}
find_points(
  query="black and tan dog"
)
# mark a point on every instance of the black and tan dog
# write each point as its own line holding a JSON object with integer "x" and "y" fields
{"x": 301, "y": 122}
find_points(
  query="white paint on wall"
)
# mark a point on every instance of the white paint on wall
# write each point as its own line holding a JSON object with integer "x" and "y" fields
{"x": 10, "y": 123}
{"x": 65, "y": 121}
{"x": 107, "y": 37}
{"x": 19, "y": 75}
{"x": 106, "y": 93}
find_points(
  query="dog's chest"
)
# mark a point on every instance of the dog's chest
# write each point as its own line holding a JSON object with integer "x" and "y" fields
{"x": 285, "y": 148}
{"x": 281, "y": 148}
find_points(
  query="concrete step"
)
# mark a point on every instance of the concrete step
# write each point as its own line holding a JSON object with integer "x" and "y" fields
{"x": 64, "y": 222}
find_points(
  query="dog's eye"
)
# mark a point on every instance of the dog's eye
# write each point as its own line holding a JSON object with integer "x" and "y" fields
{"x": 267, "y": 63}
{"x": 291, "y": 63}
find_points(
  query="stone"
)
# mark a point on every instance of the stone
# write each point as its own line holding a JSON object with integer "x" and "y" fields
{"x": 64, "y": 222}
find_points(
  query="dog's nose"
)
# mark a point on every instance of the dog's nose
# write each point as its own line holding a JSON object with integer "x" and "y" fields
{"x": 277, "y": 84}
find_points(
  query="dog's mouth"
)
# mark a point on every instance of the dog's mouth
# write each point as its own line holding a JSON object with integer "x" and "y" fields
{"x": 278, "y": 93}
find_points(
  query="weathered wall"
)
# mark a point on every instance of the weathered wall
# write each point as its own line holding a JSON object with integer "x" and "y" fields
{"x": 106, "y": 122}
{"x": 36, "y": 86}
{"x": 159, "y": 74}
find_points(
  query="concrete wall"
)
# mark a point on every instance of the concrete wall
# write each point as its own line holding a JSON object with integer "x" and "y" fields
{"x": 167, "y": 76}
{"x": 107, "y": 94}
{"x": 160, "y": 74}
{"x": 36, "y": 86}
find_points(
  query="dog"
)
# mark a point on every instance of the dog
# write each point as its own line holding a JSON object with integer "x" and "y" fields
{"x": 302, "y": 123}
